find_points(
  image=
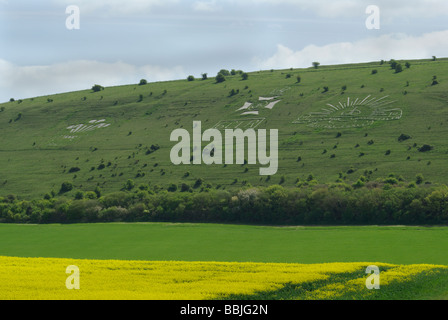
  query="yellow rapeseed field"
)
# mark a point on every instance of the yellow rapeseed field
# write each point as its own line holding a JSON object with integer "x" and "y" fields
{"x": 45, "y": 278}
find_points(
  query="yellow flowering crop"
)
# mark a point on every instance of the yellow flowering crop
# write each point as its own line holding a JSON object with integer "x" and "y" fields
{"x": 45, "y": 278}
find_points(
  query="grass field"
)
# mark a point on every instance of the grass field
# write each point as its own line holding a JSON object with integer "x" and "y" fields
{"x": 232, "y": 243}
{"x": 39, "y": 149}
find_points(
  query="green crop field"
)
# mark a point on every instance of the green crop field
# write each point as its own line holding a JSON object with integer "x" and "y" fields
{"x": 209, "y": 242}
{"x": 104, "y": 138}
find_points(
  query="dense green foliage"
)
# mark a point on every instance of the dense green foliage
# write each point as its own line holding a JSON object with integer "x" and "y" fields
{"x": 365, "y": 202}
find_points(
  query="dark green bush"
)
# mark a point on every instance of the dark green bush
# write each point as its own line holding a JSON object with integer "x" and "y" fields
{"x": 404, "y": 137}
{"x": 66, "y": 187}
{"x": 224, "y": 72}
{"x": 220, "y": 78}
{"x": 97, "y": 88}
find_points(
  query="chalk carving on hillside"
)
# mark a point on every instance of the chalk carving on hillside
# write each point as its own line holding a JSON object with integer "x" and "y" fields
{"x": 254, "y": 108}
{"x": 250, "y": 112}
{"x": 352, "y": 113}
{"x": 90, "y": 126}
{"x": 243, "y": 124}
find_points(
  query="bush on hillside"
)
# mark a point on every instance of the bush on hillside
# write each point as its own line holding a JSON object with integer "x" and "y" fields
{"x": 224, "y": 72}
{"x": 97, "y": 88}
{"x": 220, "y": 78}
{"x": 66, "y": 187}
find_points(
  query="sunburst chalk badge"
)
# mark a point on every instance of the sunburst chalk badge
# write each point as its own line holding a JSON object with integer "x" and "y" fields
{"x": 353, "y": 113}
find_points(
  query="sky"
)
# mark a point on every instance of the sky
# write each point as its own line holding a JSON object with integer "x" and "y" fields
{"x": 121, "y": 42}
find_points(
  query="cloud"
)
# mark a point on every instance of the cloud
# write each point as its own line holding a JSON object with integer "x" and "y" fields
{"x": 31, "y": 81}
{"x": 117, "y": 7}
{"x": 392, "y": 46}
{"x": 206, "y": 6}
{"x": 355, "y": 8}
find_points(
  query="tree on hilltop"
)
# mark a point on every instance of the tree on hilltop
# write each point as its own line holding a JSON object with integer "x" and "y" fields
{"x": 97, "y": 88}
{"x": 220, "y": 78}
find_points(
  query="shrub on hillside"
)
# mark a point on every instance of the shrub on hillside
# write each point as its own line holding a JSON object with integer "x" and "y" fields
{"x": 234, "y": 92}
{"x": 74, "y": 169}
{"x": 393, "y": 64}
{"x": 404, "y": 137}
{"x": 172, "y": 187}
{"x": 198, "y": 183}
{"x": 220, "y": 78}
{"x": 66, "y": 187}
{"x": 398, "y": 68}
{"x": 224, "y": 72}
{"x": 185, "y": 188}
{"x": 434, "y": 81}
{"x": 419, "y": 178}
{"x": 129, "y": 185}
{"x": 97, "y": 88}
{"x": 425, "y": 148}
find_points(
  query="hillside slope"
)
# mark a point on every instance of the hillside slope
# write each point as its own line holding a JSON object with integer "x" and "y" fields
{"x": 105, "y": 138}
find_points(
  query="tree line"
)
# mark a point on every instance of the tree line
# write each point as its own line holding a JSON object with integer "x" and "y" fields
{"x": 332, "y": 204}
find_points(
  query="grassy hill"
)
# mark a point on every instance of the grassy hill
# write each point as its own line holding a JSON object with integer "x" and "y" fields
{"x": 339, "y": 133}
